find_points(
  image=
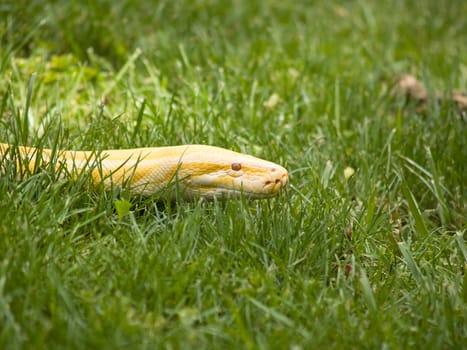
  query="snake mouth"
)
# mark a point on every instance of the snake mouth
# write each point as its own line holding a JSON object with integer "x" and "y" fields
{"x": 237, "y": 188}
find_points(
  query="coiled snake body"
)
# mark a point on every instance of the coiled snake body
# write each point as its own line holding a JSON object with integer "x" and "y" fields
{"x": 194, "y": 170}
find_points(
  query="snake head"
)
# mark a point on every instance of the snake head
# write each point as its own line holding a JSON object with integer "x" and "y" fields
{"x": 213, "y": 172}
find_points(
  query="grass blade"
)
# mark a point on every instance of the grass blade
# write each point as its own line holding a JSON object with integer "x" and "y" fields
{"x": 26, "y": 119}
{"x": 367, "y": 291}
{"x": 410, "y": 262}
{"x": 273, "y": 313}
{"x": 419, "y": 225}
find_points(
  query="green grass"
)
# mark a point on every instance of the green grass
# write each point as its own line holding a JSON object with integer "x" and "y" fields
{"x": 377, "y": 260}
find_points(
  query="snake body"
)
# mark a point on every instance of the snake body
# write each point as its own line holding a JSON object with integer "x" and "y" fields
{"x": 188, "y": 171}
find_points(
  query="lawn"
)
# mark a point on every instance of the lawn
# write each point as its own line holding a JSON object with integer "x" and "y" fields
{"x": 365, "y": 249}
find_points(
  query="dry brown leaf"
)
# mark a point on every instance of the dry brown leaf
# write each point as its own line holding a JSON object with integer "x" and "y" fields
{"x": 461, "y": 101}
{"x": 409, "y": 86}
{"x": 273, "y": 100}
{"x": 341, "y": 11}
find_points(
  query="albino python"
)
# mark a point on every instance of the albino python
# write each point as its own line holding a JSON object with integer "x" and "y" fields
{"x": 194, "y": 170}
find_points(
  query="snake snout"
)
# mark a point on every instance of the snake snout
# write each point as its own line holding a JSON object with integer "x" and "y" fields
{"x": 278, "y": 179}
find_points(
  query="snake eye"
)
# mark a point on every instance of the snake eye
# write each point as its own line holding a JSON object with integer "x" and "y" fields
{"x": 236, "y": 166}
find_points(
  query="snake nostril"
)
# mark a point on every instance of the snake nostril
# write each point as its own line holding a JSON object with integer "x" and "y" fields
{"x": 277, "y": 181}
{"x": 267, "y": 182}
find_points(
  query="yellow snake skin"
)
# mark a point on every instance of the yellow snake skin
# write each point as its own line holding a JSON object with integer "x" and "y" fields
{"x": 189, "y": 171}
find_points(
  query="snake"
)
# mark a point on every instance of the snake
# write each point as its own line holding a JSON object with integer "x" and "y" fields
{"x": 186, "y": 171}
